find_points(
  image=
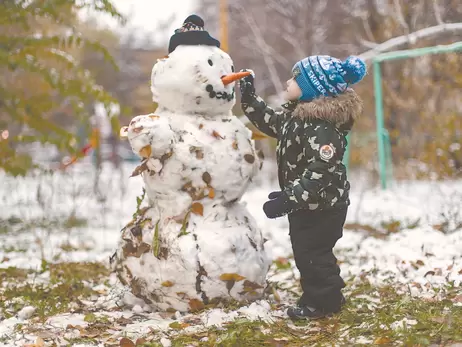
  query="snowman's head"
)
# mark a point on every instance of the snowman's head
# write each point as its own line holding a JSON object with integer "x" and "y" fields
{"x": 191, "y": 80}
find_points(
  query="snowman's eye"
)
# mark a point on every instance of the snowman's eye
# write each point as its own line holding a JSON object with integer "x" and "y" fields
{"x": 210, "y": 62}
{"x": 232, "y": 68}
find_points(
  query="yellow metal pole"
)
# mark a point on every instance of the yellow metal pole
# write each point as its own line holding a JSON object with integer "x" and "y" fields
{"x": 224, "y": 24}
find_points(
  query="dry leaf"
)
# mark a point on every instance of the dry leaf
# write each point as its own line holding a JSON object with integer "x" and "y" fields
{"x": 231, "y": 277}
{"x": 217, "y": 135}
{"x": 201, "y": 126}
{"x": 457, "y": 299}
{"x": 125, "y": 342}
{"x": 206, "y": 177}
{"x": 251, "y": 285}
{"x": 197, "y": 208}
{"x": 140, "y": 341}
{"x": 140, "y": 169}
{"x": 249, "y": 158}
{"x": 167, "y": 284}
{"x": 152, "y": 116}
{"x": 258, "y": 135}
{"x": 211, "y": 193}
{"x": 382, "y": 341}
{"x": 431, "y": 273}
{"x": 276, "y": 295}
{"x": 196, "y": 305}
{"x": 235, "y": 146}
{"x": 38, "y": 343}
{"x": 137, "y": 130}
{"x": 146, "y": 151}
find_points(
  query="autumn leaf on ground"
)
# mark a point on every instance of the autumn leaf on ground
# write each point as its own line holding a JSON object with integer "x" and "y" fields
{"x": 196, "y": 305}
{"x": 38, "y": 343}
{"x": 201, "y": 126}
{"x": 197, "y": 208}
{"x": 167, "y": 284}
{"x": 235, "y": 146}
{"x": 126, "y": 342}
{"x": 217, "y": 135}
{"x": 211, "y": 193}
{"x": 382, "y": 341}
{"x": 231, "y": 277}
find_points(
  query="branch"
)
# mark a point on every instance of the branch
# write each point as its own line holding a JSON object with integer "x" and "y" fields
{"x": 437, "y": 10}
{"x": 410, "y": 38}
{"x": 264, "y": 48}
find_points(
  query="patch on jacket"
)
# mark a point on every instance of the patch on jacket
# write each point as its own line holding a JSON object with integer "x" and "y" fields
{"x": 326, "y": 152}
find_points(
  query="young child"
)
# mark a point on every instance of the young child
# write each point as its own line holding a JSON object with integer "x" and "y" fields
{"x": 311, "y": 135}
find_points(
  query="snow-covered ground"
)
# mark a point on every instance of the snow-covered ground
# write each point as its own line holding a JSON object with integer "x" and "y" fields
{"x": 409, "y": 236}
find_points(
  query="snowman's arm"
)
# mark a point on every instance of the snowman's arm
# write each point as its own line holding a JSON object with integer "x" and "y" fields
{"x": 150, "y": 136}
{"x": 262, "y": 116}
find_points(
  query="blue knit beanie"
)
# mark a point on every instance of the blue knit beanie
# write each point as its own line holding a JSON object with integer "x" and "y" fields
{"x": 322, "y": 75}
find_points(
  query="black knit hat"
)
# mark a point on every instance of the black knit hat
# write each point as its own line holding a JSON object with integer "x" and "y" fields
{"x": 192, "y": 33}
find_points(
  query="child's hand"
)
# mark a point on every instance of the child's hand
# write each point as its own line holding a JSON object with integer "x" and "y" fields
{"x": 278, "y": 205}
{"x": 246, "y": 85}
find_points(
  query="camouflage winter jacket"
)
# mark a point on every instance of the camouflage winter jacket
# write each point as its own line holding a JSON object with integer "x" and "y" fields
{"x": 311, "y": 144}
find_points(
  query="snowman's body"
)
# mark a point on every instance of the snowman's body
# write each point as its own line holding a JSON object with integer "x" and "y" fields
{"x": 196, "y": 243}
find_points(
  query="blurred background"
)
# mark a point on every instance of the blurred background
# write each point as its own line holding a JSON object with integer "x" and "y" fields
{"x": 74, "y": 71}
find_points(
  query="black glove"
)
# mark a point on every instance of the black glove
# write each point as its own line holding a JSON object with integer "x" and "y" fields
{"x": 278, "y": 205}
{"x": 246, "y": 85}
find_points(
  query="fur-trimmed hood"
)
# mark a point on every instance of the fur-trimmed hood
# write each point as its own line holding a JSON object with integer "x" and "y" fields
{"x": 340, "y": 110}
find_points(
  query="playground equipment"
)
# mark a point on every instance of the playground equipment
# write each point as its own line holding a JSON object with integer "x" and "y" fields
{"x": 383, "y": 139}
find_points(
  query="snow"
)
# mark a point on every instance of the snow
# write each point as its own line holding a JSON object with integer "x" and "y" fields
{"x": 26, "y": 312}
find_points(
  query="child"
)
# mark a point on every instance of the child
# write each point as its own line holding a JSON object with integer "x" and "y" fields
{"x": 311, "y": 135}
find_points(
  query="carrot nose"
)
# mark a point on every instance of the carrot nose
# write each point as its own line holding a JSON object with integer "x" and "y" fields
{"x": 234, "y": 77}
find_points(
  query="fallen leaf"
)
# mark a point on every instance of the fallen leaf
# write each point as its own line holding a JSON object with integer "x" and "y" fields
{"x": 201, "y": 126}
{"x": 217, "y": 135}
{"x": 152, "y": 116}
{"x": 146, "y": 151}
{"x": 206, "y": 177}
{"x": 251, "y": 285}
{"x": 211, "y": 193}
{"x": 231, "y": 277}
{"x": 167, "y": 284}
{"x": 249, "y": 158}
{"x": 197, "y": 208}
{"x": 38, "y": 343}
{"x": 429, "y": 273}
{"x": 235, "y": 146}
{"x": 140, "y": 169}
{"x": 140, "y": 341}
{"x": 196, "y": 305}
{"x": 125, "y": 342}
{"x": 276, "y": 295}
{"x": 382, "y": 341}
{"x": 457, "y": 299}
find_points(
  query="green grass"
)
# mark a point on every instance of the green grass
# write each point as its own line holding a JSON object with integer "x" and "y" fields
{"x": 66, "y": 286}
{"x": 437, "y": 322}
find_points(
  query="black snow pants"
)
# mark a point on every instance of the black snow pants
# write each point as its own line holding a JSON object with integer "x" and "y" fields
{"x": 313, "y": 235}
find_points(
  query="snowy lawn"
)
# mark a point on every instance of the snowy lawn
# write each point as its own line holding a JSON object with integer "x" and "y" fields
{"x": 401, "y": 255}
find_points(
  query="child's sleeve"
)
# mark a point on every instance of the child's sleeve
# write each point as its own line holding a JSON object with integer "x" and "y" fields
{"x": 261, "y": 115}
{"x": 323, "y": 149}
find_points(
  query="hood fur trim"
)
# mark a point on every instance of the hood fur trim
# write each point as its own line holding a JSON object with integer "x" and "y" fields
{"x": 338, "y": 110}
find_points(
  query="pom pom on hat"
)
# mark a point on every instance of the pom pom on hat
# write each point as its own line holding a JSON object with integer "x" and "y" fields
{"x": 355, "y": 69}
{"x": 194, "y": 19}
{"x": 192, "y": 33}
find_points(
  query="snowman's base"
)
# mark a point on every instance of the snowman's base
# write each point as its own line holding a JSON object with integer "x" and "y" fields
{"x": 199, "y": 262}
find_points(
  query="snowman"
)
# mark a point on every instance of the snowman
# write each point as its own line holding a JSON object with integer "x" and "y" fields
{"x": 195, "y": 244}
